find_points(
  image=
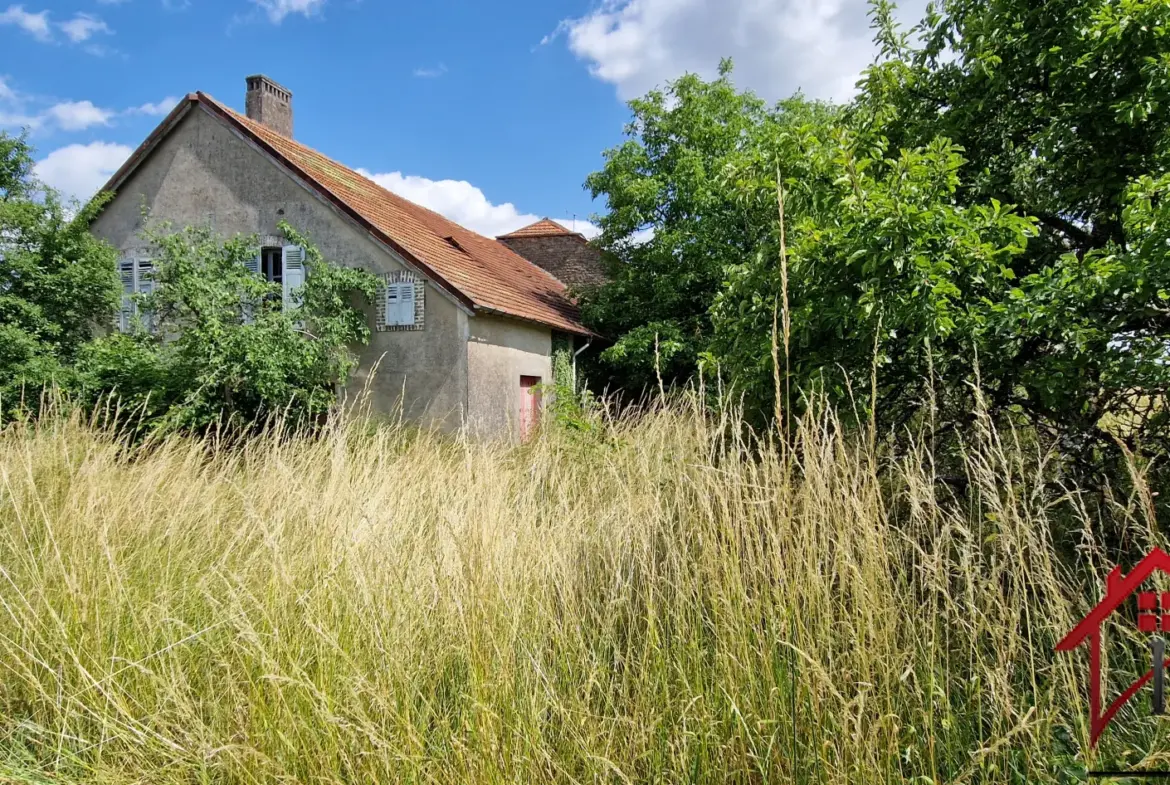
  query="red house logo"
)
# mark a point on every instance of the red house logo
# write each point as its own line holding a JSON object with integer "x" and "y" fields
{"x": 1152, "y": 617}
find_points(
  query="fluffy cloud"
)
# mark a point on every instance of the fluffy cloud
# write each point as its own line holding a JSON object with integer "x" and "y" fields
{"x": 157, "y": 109}
{"x": 36, "y": 25}
{"x": 431, "y": 73}
{"x": 15, "y": 111}
{"x": 465, "y": 204}
{"x": 82, "y": 27}
{"x": 14, "y": 119}
{"x": 277, "y": 10}
{"x": 78, "y": 30}
{"x": 79, "y": 170}
{"x": 779, "y": 46}
{"x": 78, "y": 115}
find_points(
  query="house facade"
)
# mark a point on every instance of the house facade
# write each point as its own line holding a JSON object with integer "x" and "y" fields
{"x": 463, "y": 328}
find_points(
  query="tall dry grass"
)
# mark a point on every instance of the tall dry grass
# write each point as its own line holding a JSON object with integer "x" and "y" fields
{"x": 656, "y": 604}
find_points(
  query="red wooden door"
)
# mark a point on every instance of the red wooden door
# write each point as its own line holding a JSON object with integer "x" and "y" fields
{"x": 529, "y": 405}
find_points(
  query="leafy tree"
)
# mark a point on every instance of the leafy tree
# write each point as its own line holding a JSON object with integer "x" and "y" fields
{"x": 221, "y": 345}
{"x": 676, "y": 223}
{"x": 1061, "y": 108}
{"x": 885, "y": 270}
{"x": 56, "y": 280}
{"x": 990, "y": 210}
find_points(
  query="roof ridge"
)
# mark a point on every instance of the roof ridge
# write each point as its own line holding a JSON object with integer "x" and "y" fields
{"x": 545, "y": 227}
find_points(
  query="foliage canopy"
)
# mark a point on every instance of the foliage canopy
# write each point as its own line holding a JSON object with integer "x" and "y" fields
{"x": 221, "y": 343}
{"x": 988, "y": 213}
{"x": 56, "y": 280}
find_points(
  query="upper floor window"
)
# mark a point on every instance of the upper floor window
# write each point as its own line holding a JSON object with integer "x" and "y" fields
{"x": 272, "y": 264}
{"x": 284, "y": 266}
{"x": 400, "y": 302}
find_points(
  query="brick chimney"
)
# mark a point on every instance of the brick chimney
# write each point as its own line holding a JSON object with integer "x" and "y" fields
{"x": 268, "y": 103}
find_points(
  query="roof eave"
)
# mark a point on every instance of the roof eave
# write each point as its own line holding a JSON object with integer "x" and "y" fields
{"x": 565, "y": 328}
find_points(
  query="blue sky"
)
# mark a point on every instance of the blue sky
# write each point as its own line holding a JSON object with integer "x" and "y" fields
{"x": 492, "y": 113}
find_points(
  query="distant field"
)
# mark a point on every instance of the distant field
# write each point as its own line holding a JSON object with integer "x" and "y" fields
{"x": 651, "y": 604}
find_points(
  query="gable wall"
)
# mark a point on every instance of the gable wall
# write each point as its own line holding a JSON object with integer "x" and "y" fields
{"x": 202, "y": 172}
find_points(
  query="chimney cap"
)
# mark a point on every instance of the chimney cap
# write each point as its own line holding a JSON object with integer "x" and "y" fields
{"x": 255, "y": 80}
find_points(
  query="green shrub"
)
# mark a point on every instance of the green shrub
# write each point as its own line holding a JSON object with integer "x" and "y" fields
{"x": 219, "y": 346}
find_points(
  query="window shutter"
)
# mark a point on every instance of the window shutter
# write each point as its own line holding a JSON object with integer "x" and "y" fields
{"x": 253, "y": 266}
{"x": 126, "y": 312}
{"x": 145, "y": 285}
{"x": 294, "y": 275}
{"x": 391, "y": 308}
{"x": 400, "y": 300}
{"x": 294, "y": 278}
{"x": 145, "y": 282}
{"x": 406, "y": 303}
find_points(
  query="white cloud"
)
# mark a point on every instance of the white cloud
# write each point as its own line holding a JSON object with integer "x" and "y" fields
{"x": 277, "y": 10}
{"x": 13, "y": 113}
{"x": 157, "y": 109}
{"x": 78, "y": 115}
{"x": 66, "y": 115}
{"x": 18, "y": 120}
{"x": 82, "y": 27}
{"x": 36, "y": 25}
{"x": 779, "y": 46}
{"x": 585, "y": 228}
{"x": 465, "y": 204}
{"x": 79, "y": 170}
{"x": 78, "y": 30}
{"x": 431, "y": 73}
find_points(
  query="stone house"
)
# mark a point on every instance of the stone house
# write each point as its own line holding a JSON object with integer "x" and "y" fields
{"x": 464, "y": 326}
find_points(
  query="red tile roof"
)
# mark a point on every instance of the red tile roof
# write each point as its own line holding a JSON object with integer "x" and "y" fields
{"x": 545, "y": 227}
{"x": 483, "y": 273}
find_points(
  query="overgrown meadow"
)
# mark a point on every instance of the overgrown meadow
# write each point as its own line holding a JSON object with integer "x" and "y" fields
{"x": 655, "y": 599}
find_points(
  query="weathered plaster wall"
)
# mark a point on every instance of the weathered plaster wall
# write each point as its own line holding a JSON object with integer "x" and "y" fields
{"x": 499, "y": 352}
{"x": 203, "y": 173}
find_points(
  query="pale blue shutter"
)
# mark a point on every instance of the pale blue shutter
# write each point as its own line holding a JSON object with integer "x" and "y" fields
{"x": 391, "y": 304}
{"x": 145, "y": 285}
{"x": 126, "y": 312}
{"x": 294, "y": 277}
{"x": 406, "y": 303}
{"x": 253, "y": 266}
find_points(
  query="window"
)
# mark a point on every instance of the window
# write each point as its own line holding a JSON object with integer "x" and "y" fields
{"x": 400, "y": 302}
{"x": 282, "y": 265}
{"x": 272, "y": 264}
{"x": 137, "y": 278}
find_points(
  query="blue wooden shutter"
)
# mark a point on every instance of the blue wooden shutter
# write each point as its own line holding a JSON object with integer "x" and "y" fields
{"x": 126, "y": 312}
{"x": 294, "y": 278}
